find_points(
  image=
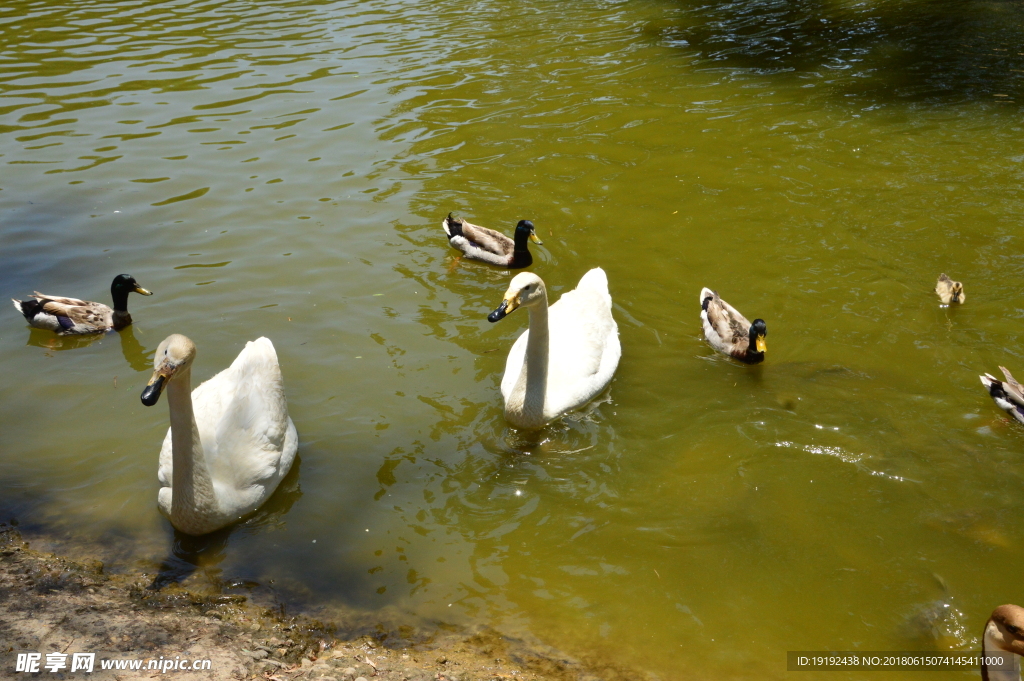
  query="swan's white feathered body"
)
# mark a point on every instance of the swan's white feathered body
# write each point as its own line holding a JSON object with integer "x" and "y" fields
{"x": 246, "y": 442}
{"x": 582, "y": 349}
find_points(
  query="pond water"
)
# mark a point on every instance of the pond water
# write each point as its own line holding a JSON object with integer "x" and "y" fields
{"x": 282, "y": 169}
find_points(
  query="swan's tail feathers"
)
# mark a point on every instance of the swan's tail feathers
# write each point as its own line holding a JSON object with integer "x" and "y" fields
{"x": 259, "y": 356}
{"x": 596, "y": 280}
{"x": 705, "y": 293}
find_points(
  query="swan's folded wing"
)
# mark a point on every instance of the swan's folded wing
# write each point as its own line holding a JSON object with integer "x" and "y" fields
{"x": 208, "y": 402}
{"x": 580, "y": 325}
{"x": 250, "y": 434}
{"x": 165, "y": 470}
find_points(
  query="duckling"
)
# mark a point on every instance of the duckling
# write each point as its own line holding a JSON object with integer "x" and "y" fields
{"x": 481, "y": 243}
{"x": 949, "y": 291}
{"x": 1008, "y": 395}
{"x": 71, "y": 316}
{"x": 1004, "y": 633}
{"x": 729, "y": 332}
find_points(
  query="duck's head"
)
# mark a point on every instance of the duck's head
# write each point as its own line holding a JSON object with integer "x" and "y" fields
{"x": 526, "y": 288}
{"x": 758, "y": 330}
{"x": 1005, "y": 629}
{"x": 124, "y": 284}
{"x": 174, "y": 356}
{"x": 526, "y": 230}
{"x": 958, "y": 292}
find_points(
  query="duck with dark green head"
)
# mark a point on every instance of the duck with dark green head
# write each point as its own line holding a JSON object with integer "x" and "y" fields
{"x": 729, "y": 332}
{"x": 71, "y": 316}
{"x": 481, "y": 243}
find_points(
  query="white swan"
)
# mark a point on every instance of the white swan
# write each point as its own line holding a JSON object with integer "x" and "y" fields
{"x": 230, "y": 442}
{"x": 568, "y": 354}
{"x": 1004, "y": 635}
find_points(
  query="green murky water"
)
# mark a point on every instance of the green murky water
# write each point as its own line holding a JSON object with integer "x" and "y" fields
{"x": 282, "y": 169}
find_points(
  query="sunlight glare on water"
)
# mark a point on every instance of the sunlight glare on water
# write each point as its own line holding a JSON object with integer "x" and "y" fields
{"x": 282, "y": 169}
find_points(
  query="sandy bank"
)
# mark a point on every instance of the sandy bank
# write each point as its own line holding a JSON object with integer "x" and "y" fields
{"x": 51, "y": 604}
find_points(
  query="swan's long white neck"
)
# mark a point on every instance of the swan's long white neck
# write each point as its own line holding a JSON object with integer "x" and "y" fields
{"x": 193, "y": 498}
{"x": 990, "y": 647}
{"x": 525, "y": 405}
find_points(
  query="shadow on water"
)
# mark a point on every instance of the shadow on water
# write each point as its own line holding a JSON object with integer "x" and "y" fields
{"x": 41, "y": 338}
{"x": 189, "y": 554}
{"x": 135, "y": 354}
{"x": 938, "y": 52}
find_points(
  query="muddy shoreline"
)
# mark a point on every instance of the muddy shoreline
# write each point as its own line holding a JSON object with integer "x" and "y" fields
{"x": 55, "y": 604}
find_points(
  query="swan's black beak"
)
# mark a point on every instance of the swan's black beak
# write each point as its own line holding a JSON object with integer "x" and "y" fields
{"x": 500, "y": 313}
{"x": 151, "y": 394}
{"x": 508, "y": 305}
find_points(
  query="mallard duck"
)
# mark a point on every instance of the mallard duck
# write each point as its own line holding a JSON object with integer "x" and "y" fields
{"x": 949, "y": 291}
{"x": 1008, "y": 395}
{"x": 230, "y": 442}
{"x": 568, "y": 354}
{"x": 1004, "y": 633}
{"x": 481, "y": 243}
{"x": 729, "y": 332}
{"x": 68, "y": 316}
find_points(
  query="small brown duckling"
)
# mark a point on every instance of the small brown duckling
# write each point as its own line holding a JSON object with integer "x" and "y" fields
{"x": 949, "y": 291}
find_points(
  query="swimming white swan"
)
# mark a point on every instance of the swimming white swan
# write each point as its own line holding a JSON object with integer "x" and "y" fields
{"x": 568, "y": 354}
{"x": 230, "y": 442}
{"x": 1004, "y": 634}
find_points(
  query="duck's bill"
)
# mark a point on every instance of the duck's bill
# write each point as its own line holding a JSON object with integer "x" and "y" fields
{"x": 139, "y": 289}
{"x": 535, "y": 239}
{"x": 151, "y": 394}
{"x": 761, "y": 345}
